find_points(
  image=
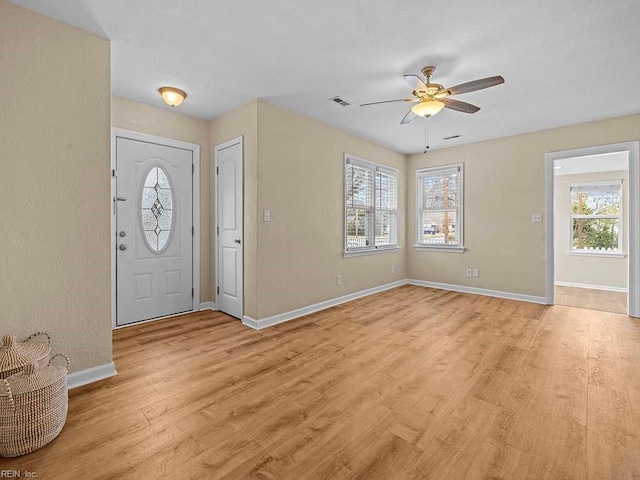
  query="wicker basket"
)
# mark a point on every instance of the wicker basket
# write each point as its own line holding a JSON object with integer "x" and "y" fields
{"x": 15, "y": 355}
{"x": 33, "y": 408}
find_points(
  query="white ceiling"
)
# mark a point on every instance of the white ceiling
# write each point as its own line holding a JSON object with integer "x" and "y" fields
{"x": 607, "y": 162}
{"x": 564, "y": 62}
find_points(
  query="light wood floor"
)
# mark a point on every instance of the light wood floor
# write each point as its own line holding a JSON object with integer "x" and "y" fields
{"x": 591, "y": 298}
{"x": 412, "y": 383}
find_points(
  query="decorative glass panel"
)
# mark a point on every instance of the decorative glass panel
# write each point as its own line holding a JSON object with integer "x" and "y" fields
{"x": 156, "y": 216}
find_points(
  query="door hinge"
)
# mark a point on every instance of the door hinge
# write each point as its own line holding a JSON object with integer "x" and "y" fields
{"x": 193, "y": 230}
{"x": 193, "y": 168}
{"x": 218, "y": 290}
{"x": 114, "y": 174}
{"x": 217, "y": 230}
{"x": 192, "y": 292}
{"x": 217, "y": 170}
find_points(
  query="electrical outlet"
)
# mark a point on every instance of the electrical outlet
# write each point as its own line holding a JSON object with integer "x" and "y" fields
{"x": 338, "y": 279}
{"x": 393, "y": 269}
{"x": 469, "y": 273}
{"x": 476, "y": 273}
{"x": 536, "y": 218}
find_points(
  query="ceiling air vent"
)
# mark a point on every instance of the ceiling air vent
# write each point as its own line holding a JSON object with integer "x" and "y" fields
{"x": 452, "y": 137}
{"x": 340, "y": 101}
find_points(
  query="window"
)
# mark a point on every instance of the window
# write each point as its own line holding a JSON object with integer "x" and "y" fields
{"x": 596, "y": 210}
{"x": 371, "y": 206}
{"x": 439, "y": 208}
{"x": 156, "y": 215}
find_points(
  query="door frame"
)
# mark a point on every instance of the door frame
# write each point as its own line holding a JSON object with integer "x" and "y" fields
{"x": 633, "y": 253}
{"x": 222, "y": 146}
{"x": 195, "y": 192}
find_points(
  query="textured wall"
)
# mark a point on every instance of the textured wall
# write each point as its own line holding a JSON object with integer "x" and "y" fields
{"x": 152, "y": 120}
{"x": 504, "y": 184}
{"x": 588, "y": 270}
{"x": 301, "y": 181}
{"x": 243, "y": 121}
{"x": 54, "y": 184}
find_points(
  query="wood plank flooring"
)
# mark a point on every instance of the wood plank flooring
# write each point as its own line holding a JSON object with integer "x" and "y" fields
{"x": 409, "y": 384}
{"x": 592, "y": 298}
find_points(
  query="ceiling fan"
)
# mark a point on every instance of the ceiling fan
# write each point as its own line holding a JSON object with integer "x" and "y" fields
{"x": 433, "y": 97}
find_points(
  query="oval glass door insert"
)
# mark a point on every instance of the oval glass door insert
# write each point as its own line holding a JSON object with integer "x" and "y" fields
{"x": 157, "y": 209}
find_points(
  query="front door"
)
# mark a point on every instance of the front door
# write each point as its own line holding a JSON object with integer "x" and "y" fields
{"x": 154, "y": 225}
{"x": 230, "y": 227}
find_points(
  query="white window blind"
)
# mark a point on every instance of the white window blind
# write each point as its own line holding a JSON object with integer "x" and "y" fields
{"x": 439, "y": 206}
{"x": 596, "y": 213}
{"x": 371, "y": 205}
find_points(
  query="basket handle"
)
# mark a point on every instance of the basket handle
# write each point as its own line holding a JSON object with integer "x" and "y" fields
{"x": 12, "y": 404}
{"x": 31, "y": 337}
{"x": 63, "y": 356}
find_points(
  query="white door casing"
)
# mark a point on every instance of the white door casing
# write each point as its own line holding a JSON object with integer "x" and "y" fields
{"x": 154, "y": 269}
{"x": 229, "y": 227}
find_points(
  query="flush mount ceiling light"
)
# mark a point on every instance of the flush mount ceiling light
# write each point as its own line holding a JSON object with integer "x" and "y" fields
{"x": 172, "y": 96}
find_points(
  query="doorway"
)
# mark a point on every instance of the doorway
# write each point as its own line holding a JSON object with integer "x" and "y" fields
{"x": 155, "y": 254}
{"x": 592, "y": 228}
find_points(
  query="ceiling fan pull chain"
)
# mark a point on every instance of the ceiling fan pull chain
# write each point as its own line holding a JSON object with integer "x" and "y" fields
{"x": 426, "y": 139}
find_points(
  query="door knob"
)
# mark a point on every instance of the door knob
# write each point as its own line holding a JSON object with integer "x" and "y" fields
{"x": 122, "y": 233}
{"x": 237, "y": 240}
{"x": 122, "y": 246}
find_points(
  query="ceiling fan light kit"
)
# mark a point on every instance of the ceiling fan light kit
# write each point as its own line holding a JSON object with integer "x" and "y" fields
{"x": 426, "y": 108}
{"x": 433, "y": 97}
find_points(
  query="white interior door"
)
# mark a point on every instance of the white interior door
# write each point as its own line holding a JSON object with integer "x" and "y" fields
{"x": 229, "y": 227}
{"x": 154, "y": 230}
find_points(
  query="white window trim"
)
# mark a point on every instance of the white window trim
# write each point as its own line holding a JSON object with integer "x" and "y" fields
{"x": 373, "y": 249}
{"x": 460, "y": 248}
{"x": 620, "y": 253}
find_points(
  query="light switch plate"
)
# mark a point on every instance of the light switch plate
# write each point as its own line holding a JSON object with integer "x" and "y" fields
{"x": 267, "y": 215}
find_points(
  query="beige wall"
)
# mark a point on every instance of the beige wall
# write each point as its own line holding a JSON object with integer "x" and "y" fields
{"x": 241, "y": 122}
{"x": 581, "y": 269}
{"x": 54, "y": 185}
{"x": 301, "y": 181}
{"x": 152, "y": 120}
{"x": 504, "y": 185}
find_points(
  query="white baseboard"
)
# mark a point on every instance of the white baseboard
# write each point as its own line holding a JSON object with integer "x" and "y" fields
{"x": 208, "y": 306}
{"x": 251, "y": 322}
{"x": 285, "y": 317}
{"x": 595, "y": 287}
{"x": 479, "y": 291}
{"x": 90, "y": 375}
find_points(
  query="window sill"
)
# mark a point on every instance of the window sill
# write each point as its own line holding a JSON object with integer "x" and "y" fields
{"x": 597, "y": 254}
{"x": 435, "y": 248}
{"x": 373, "y": 251}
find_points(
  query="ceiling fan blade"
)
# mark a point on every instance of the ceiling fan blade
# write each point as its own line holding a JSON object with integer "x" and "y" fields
{"x": 408, "y": 117}
{"x": 388, "y": 101}
{"x": 459, "y": 106}
{"x": 475, "y": 85}
{"x": 415, "y": 82}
